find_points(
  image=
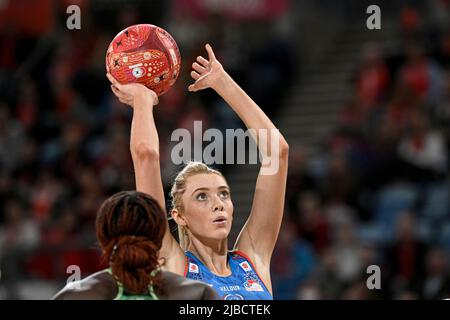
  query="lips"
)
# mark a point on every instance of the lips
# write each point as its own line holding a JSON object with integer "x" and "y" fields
{"x": 220, "y": 219}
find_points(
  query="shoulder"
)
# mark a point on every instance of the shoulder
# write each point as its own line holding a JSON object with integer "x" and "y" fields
{"x": 176, "y": 287}
{"x": 98, "y": 286}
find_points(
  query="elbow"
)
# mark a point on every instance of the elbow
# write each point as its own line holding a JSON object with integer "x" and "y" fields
{"x": 145, "y": 151}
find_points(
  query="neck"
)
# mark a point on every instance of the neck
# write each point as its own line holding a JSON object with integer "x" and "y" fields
{"x": 213, "y": 255}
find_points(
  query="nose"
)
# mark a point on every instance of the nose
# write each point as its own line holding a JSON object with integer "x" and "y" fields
{"x": 218, "y": 205}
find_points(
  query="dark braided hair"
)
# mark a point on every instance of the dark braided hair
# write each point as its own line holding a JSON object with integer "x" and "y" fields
{"x": 130, "y": 229}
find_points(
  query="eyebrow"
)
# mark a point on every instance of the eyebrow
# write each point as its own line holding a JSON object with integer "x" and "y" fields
{"x": 206, "y": 189}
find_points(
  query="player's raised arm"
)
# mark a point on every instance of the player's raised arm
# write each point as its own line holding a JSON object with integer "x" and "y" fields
{"x": 144, "y": 148}
{"x": 258, "y": 237}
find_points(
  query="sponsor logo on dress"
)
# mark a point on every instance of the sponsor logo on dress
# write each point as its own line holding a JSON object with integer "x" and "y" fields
{"x": 246, "y": 266}
{"x": 230, "y": 288}
{"x": 193, "y": 267}
{"x": 252, "y": 285}
{"x": 233, "y": 296}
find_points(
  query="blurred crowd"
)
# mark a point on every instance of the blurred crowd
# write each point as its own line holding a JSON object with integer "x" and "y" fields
{"x": 378, "y": 193}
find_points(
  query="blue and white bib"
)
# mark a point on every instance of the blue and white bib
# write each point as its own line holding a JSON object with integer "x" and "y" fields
{"x": 244, "y": 282}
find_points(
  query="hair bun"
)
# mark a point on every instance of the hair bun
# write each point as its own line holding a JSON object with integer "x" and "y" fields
{"x": 133, "y": 260}
{"x": 135, "y": 252}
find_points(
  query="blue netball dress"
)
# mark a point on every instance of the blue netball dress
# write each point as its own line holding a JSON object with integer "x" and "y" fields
{"x": 243, "y": 283}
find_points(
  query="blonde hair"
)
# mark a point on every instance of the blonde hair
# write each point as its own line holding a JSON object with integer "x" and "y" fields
{"x": 191, "y": 169}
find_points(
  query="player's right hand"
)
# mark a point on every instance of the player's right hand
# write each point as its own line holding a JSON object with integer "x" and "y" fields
{"x": 132, "y": 92}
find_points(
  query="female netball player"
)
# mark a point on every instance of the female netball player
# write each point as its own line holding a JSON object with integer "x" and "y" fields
{"x": 201, "y": 197}
{"x": 130, "y": 229}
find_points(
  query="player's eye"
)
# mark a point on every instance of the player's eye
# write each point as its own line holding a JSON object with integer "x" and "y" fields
{"x": 224, "y": 194}
{"x": 201, "y": 196}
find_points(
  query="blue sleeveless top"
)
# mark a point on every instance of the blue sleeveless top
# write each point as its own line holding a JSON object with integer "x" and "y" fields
{"x": 244, "y": 282}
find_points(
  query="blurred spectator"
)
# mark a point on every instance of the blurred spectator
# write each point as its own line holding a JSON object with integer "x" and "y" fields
{"x": 309, "y": 291}
{"x": 405, "y": 258}
{"x": 347, "y": 252}
{"x": 422, "y": 75}
{"x": 292, "y": 262}
{"x": 12, "y": 138}
{"x": 311, "y": 221}
{"x": 357, "y": 290}
{"x": 436, "y": 284}
{"x": 44, "y": 196}
{"x": 352, "y": 117}
{"x": 372, "y": 79}
{"x": 19, "y": 235}
{"x": 63, "y": 229}
{"x": 439, "y": 12}
{"x": 443, "y": 50}
{"x": 90, "y": 196}
{"x": 410, "y": 23}
{"x": 442, "y": 110}
{"x": 338, "y": 214}
{"x": 340, "y": 183}
{"x": 402, "y": 102}
{"x": 423, "y": 149}
{"x": 324, "y": 280}
{"x": 299, "y": 178}
{"x": 384, "y": 145}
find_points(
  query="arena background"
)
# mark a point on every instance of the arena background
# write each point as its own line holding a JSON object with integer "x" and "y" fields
{"x": 366, "y": 114}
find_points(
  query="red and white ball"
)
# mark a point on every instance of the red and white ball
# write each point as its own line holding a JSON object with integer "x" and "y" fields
{"x": 144, "y": 53}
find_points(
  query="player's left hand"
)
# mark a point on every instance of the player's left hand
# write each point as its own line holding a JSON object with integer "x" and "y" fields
{"x": 206, "y": 73}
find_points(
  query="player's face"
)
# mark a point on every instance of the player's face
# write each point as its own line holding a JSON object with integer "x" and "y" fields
{"x": 208, "y": 208}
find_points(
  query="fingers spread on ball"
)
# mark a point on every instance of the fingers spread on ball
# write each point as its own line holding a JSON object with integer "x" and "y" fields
{"x": 126, "y": 100}
{"x": 116, "y": 91}
{"x": 155, "y": 98}
{"x": 119, "y": 94}
{"x": 113, "y": 80}
{"x": 110, "y": 77}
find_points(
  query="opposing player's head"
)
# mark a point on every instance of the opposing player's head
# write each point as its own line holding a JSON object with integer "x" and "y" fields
{"x": 201, "y": 204}
{"x": 130, "y": 229}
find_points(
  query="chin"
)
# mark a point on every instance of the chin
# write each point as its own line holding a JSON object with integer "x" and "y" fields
{"x": 221, "y": 234}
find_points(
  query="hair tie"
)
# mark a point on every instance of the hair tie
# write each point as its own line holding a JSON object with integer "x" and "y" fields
{"x": 113, "y": 252}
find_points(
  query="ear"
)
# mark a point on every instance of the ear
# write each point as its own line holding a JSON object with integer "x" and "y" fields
{"x": 178, "y": 217}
